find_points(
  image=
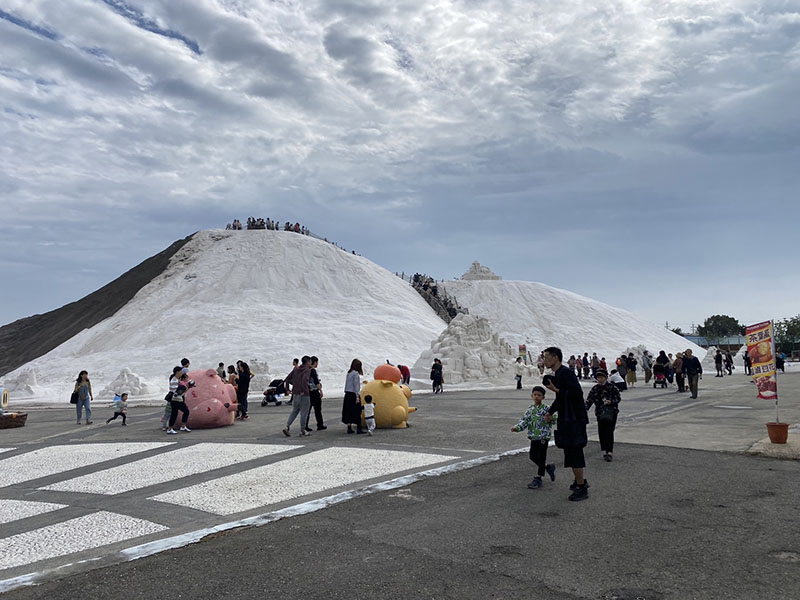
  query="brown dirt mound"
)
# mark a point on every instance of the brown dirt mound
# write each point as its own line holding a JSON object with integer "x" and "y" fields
{"x": 31, "y": 337}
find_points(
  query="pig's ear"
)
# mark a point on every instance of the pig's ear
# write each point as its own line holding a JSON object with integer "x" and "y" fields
{"x": 211, "y": 372}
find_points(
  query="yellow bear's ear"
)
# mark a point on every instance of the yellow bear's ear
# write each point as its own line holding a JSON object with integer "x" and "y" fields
{"x": 386, "y": 383}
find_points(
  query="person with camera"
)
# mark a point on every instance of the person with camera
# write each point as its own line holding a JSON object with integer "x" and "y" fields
{"x": 178, "y": 403}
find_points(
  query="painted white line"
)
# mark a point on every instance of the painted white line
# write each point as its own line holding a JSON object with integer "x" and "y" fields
{"x": 6, "y": 450}
{"x": 295, "y": 477}
{"x": 166, "y": 467}
{"x": 180, "y": 541}
{"x": 58, "y": 459}
{"x": 14, "y": 510}
{"x": 76, "y": 535}
{"x": 431, "y": 448}
{"x": 732, "y": 407}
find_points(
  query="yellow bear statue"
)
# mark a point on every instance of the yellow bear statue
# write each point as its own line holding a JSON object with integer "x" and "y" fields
{"x": 391, "y": 403}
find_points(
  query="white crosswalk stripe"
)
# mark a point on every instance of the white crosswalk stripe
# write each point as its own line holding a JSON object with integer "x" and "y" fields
{"x": 59, "y": 459}
{"x": 76, "y": 535}
{"x": 254, "y": 488}
{"x": 13, "y": 510}
{"x": 166, "y": 467}
{"x": 294, "y": 477}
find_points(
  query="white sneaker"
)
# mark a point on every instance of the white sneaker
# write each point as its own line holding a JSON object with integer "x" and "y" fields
{"x": 369, "y": 433}
{"x": 172, "y": 432}
{"x": 185, "y": 428}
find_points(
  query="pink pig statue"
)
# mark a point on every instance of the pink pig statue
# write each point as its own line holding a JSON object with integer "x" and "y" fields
{"x": 211, "y": 402}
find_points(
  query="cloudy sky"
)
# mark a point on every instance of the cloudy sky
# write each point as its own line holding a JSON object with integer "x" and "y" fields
{"x": 645, "y": 153}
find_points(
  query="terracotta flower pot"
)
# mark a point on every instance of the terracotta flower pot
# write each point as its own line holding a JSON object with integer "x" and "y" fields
{"x": 778, "y": 432}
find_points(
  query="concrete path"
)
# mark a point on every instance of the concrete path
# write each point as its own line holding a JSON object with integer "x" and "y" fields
{"x": 74, "y": 498}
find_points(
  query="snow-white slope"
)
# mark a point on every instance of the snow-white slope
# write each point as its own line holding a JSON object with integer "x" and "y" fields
{"x": 538, "y": 315}
{"x": 265, "y": 295}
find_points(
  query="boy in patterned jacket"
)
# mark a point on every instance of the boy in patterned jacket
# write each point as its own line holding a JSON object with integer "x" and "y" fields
{"x": 539, "y": 435}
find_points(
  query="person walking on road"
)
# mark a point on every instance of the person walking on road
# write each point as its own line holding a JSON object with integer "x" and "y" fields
{"x": 677, "y": 368}
{"x": 630, "y": 364}
{"x": 351, "y": 405}
{"x": 571, "y": 421}
{"x": 748, "y": 364}
{"x": 605, "y": 398}
{"x": 539, "y": 435}
{"x": 298, "y": 379}
{"x": 83, "y": 387}
{"x": 729, "y": 363}
{"x": 178, "y": 402}
{"x": 647, "y": 367}
{"x": 693, "y": 371}
{"x": 315, "y": 389}
{"x": 437, "y": 375}
{"x": 244, "y": 375}
{"x": 520, "y": 368}
{"x": 718, "y": 363}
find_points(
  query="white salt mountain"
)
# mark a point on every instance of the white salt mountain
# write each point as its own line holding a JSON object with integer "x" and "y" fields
{"x": 469, "y": 350}
{"x": 244, "y": 295}
{"x": 268, "y": 296}
{"x": 538, "y": 316}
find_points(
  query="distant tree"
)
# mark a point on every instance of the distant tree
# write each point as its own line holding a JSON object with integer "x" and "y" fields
{"x": 720, "y": 326}
{"x": 787, "y": 332}
{"x": 677, "y": 330}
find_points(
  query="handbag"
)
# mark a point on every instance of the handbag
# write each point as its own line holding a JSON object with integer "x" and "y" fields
{"x": 73, "y": 399}
{"x": 605, "y": 414}
{"x": 570, "y": 433}
{"x": 169, "y": 396}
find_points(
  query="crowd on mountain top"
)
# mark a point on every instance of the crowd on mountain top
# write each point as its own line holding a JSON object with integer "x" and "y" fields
{"x": 270, "y": 225}
{"x": 260, "y": 223}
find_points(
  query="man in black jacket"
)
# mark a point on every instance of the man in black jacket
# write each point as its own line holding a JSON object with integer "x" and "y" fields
{"x": 693, "y": 371}
{"x": 572, "y": 418}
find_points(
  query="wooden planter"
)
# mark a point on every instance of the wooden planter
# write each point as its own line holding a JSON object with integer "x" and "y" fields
{"x": 11, "y": 420}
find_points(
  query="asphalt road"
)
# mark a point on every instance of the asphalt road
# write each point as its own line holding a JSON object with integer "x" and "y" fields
{"x": 665, "y": 521}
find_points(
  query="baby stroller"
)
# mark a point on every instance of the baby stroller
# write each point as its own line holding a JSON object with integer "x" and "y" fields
{"x": 275, "y": 389}
{"x": 659, "y": 375}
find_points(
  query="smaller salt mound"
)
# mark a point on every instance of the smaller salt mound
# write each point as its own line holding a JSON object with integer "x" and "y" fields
{"x": 126, "y": 381}
{"x": 23, "y": 383}
{"x": 469, "y": 351}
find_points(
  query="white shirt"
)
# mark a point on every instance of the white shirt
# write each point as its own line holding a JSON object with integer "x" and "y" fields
{"x": 369, "y": 410}
{"x": 616, "y": 378}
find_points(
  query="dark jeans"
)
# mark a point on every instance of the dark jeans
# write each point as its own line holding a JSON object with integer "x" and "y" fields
{"x": 748, "y": 370}
{"x": 114, "y": 418}
{"x": 519, "y": 381}
{"x": 241, "y": 406}
{"x": 680, "y": 382}
{"x": 178, "y": 405}
{"x": 586, "y": 372}
{"x": 693, "y": 381}
{"x": 538, "y": 454}
{"x": 316, "y": 404}
{"x": 605, "y": 430}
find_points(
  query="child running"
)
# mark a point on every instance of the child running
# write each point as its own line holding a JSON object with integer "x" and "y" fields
{"x": 120, "y": 405}
{"x": 539, "y": 435}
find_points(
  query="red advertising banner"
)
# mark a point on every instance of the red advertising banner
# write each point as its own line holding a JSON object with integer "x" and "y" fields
{"x": 761, "y": 348}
